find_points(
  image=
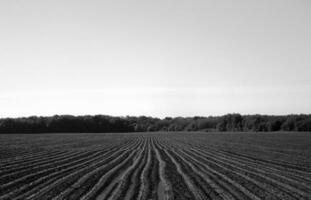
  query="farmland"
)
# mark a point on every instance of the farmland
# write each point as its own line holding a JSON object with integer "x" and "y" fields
{"x": 156, "y": 166}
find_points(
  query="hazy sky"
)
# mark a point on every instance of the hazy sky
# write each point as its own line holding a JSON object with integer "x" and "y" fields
{"x": 155, "y": 57}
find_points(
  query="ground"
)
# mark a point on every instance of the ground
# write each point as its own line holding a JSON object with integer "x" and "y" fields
{"x": 156, "y": 166}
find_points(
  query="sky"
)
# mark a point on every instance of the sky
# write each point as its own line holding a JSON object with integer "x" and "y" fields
{"x": 155, "y": 58}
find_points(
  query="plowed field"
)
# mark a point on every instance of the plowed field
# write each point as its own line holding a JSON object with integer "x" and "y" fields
{"x": 156, "y": 166}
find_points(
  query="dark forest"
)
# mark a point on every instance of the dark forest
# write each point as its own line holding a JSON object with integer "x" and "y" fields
{"x": 105, "y": 124}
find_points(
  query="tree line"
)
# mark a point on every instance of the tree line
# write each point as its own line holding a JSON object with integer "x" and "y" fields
{"x": 105, "y": 124}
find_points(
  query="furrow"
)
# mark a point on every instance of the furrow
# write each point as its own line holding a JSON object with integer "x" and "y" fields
{"x": 154, "y": 191}
{"x": 24, "y": 162}
{"x": 105, "y": 177}
{"x": 76, "y": 182}
{"x": 197, "y": 192}
{"x": 33, "y": 176}
{"x": 50, "y": 165}
{"x": 293, "y": 174}
{"x": 164, "y": 189}
{"x": 45, "y": 184}
{"x": 51, "y": 159}
{"x": 128, "y": 182}
{"x": 257, "y": 188}
{"x": 233, "y": 187}
{"x": 118, "y": 176}
{"x": 210, "y": 189}
{"x": 180, "y": 189}
{"x": 271, "y": 185}
{"x": 145, "y": 182}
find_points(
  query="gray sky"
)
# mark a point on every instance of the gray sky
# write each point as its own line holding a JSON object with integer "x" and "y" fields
{"x": 157, "y": 58}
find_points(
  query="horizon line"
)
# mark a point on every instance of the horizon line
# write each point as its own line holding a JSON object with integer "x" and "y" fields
{"x": 124, "y": 116}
